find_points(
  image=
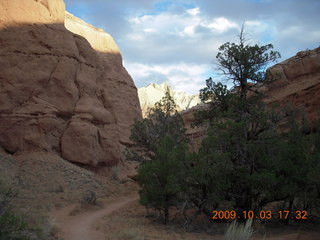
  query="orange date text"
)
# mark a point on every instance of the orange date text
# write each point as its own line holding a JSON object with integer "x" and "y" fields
{"x": 262, "y": 215}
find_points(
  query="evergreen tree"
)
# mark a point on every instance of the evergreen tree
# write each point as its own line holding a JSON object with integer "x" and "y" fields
{"x": 161, "y": 179}
{"x": 241, "y": 140}
{"x": 245, "y": 64}
{"x": 242, "y": 132}
{"x": 162, "y": 135}
{"x": 298, "y": 167}
{"x": 162, "y": 120}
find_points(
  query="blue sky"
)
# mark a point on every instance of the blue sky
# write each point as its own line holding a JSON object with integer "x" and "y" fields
{"x": 177, "y": 41}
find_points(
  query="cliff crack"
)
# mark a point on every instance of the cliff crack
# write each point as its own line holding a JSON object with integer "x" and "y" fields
{"x": 51, "y": 74}
{"x": 48, "y": 54}
{"x": 45, "y": 4}
{"x": 75, "y": 80}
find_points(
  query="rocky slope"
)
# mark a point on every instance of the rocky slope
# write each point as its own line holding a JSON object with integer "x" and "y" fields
{"x": 151, "y": 94}
{"x": 63, "y": 88}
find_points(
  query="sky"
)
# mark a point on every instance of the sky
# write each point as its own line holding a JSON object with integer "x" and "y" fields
{"x": 177, "y": 41}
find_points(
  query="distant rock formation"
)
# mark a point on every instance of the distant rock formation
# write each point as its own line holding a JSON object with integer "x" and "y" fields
{"x": 62, "y": 91}
{"x": 153, "y": 93}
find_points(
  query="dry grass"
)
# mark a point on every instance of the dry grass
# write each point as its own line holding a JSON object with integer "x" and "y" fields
{"x": 130, "y": 234}
{"x": 237, "y": 231}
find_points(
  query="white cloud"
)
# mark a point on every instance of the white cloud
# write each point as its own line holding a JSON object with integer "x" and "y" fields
{"x": 134, "y": 20}
{"x": 188, "y": 31}
{"x": 138, "y": 69}
{"x": 221, "y": 24}
{"x": 180, "y": 24}
{"x": 253, "y": 23}
{"x": 193, "y": 11}
{"x": 150, "y": 30}
{"x": 182, "y": 77}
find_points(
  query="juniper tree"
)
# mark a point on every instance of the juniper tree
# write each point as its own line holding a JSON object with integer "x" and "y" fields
{"x": 163, "y": 137}
{"x": 245, "y": 64}
{"x": 242, "y": 132}
{"x": 163, "y": 119}
{"x": 161, "y": 178}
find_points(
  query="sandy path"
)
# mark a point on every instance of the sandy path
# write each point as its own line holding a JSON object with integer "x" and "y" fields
{"x": 80, "y": 227}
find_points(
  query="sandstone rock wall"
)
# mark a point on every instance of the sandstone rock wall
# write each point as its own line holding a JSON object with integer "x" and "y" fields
{"x": 19, "y": 12}
{"x": 62, "y": 91}
{"x": 298, "y": 82}
{"x": 194, "y": 134}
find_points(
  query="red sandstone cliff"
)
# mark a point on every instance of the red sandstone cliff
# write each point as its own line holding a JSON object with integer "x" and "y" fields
{"x": 62, "y": 91}
{"x": 298, "y": 82}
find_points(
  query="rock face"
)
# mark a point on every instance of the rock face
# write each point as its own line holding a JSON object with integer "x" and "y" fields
{"x": 298, "y": 82}
{"x": 194, "y": 134}
{"x": 151, "y": 94}
{"x": 62, "y": 91}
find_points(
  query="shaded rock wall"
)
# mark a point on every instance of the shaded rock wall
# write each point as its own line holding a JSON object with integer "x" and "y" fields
{"x": 194, "y": 134}
{"x": 61, "y": 91}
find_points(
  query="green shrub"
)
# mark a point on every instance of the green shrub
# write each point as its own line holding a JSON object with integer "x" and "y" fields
{"x": 12, "y": 225}
{"x": 89, "y": 198}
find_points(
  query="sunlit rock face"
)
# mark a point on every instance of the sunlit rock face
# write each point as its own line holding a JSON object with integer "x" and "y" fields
{"x": 153, "y": 93}
{"x": 63, "y": 87}
{"x": 298, "y": 83}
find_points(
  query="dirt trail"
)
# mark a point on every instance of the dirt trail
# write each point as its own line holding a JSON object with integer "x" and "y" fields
{"x": 80, "y": 227}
